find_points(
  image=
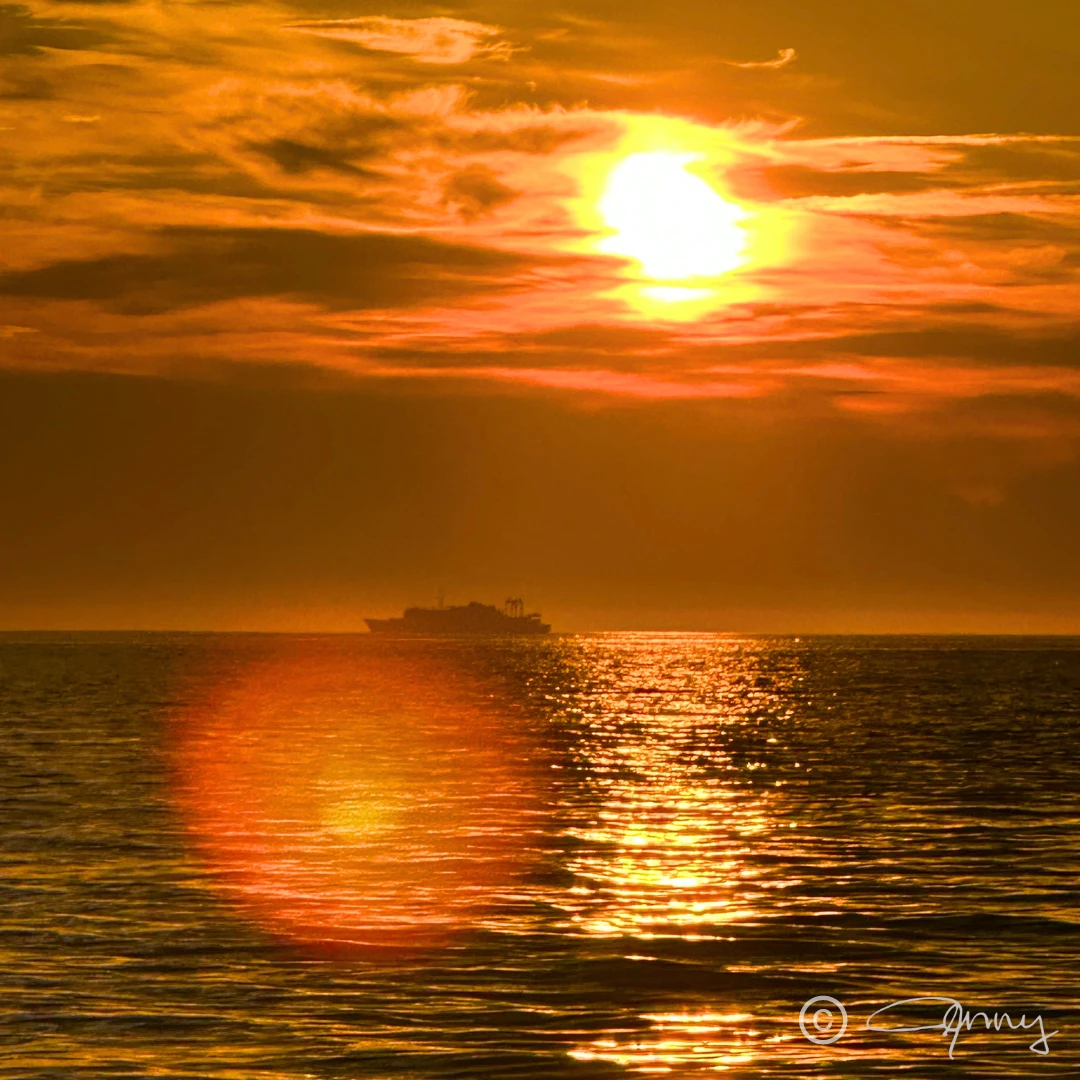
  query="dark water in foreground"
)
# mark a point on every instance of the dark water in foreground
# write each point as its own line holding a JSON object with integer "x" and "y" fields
{"x": 606, "y": 855}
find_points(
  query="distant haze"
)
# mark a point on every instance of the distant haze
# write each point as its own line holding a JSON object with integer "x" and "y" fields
{"x": 141, "y": 503}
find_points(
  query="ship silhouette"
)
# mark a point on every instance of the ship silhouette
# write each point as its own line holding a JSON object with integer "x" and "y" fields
{"x": 471, "y": 618}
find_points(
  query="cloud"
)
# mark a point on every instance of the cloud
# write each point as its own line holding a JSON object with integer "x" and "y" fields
{"x": 24, "y": 34}
{"x": 786, "y": 57}
{"x": 624, "y": 384}
{"x": 206, "y": 266}
{"x": 601, "y": 382}
{"x": 438, "y": 40}
{"x": 802, "y": 181}
{"x": 476, "y": 190}
{"x": 294, "y": 157}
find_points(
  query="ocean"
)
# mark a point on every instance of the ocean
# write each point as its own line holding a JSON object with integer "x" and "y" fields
{"x": 595, "y": 856}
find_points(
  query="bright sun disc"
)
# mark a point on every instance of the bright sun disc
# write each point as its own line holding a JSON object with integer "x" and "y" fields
{"x": 670, "y": 220}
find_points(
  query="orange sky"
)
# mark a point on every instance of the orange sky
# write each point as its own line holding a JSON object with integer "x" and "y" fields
{"x": 846, "y": 230}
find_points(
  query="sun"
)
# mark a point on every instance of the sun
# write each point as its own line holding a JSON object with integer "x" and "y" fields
{"x": 677, "y": 245}
{"x": 671, "y": 220}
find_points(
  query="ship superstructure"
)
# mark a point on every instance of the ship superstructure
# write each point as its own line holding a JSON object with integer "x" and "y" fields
{"x": 471, "y": 618}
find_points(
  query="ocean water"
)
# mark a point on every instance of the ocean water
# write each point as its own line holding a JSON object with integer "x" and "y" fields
{"x": 596, "y": 856}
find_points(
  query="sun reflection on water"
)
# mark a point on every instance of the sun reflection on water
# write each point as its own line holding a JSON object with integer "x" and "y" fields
{"x": 671, "y": 795}
{"x": 712, "y": 1041}
{"x": 661, "y": 856}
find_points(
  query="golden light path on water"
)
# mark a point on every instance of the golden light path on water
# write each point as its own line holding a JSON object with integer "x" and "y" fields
{"x": 666, "y": 764}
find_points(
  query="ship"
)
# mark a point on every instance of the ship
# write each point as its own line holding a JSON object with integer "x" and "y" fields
{"x": 471, "y": 618}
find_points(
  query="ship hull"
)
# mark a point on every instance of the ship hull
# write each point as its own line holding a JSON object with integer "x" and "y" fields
{"x": 400, "y": 628}
{"x": 470, "y": 620}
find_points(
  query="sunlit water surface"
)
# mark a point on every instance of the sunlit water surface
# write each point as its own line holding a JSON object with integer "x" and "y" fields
{"x": 594, "y": 856}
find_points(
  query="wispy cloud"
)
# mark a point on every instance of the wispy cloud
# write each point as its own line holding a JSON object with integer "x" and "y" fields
{"x": 785, "y": 57}
{"x": 438, "y": 40}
